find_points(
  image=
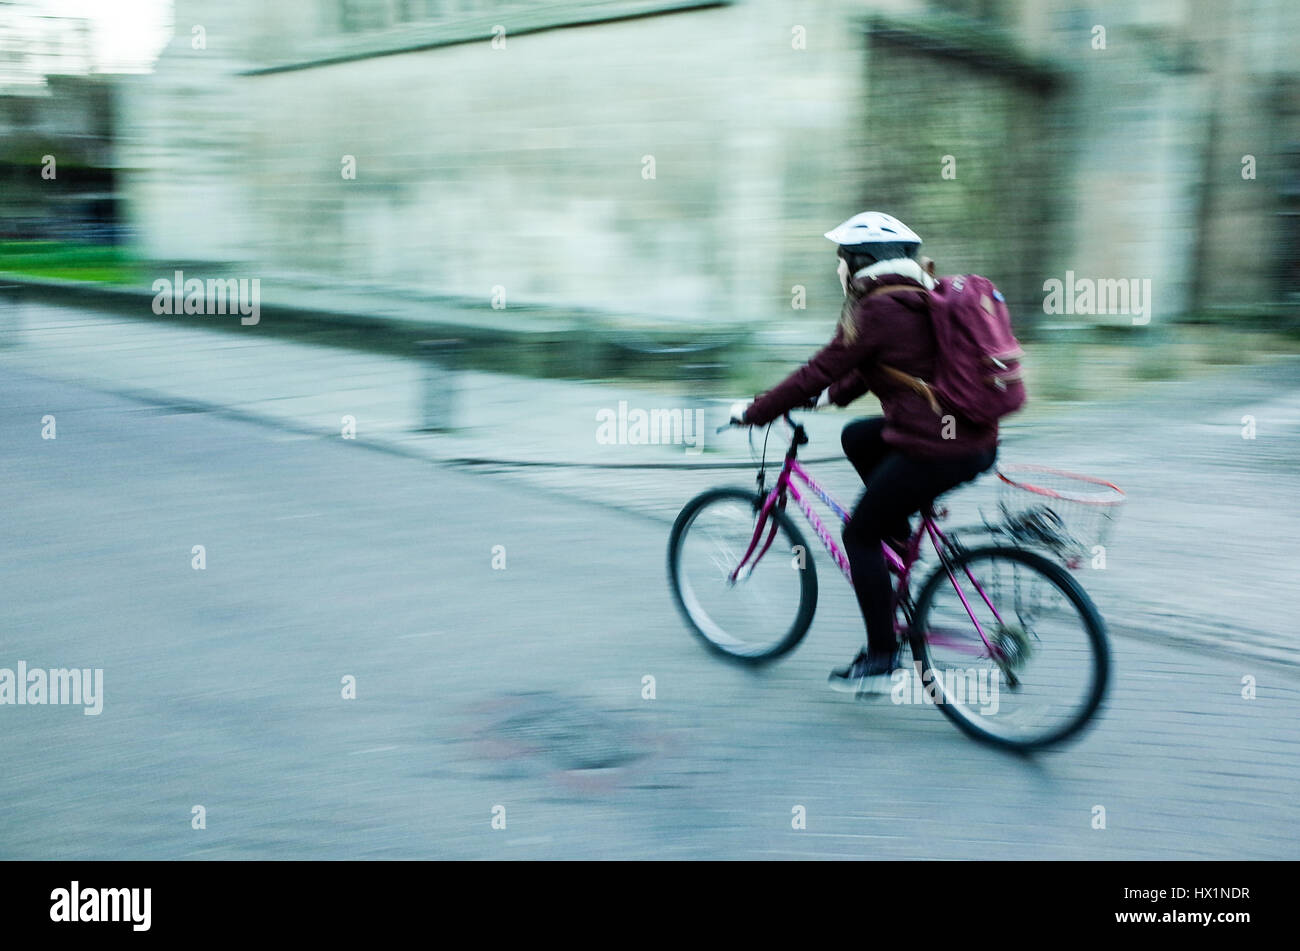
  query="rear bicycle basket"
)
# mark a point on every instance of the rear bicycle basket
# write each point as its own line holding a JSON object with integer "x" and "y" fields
{"x": 1067, "y": 513}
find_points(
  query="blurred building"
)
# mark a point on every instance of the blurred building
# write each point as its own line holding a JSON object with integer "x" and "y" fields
{"x": 57, "y": 160}
{"x": 680, "y": 158}
{"x": 56, "y": 129}
{"x": 34, "y": 45}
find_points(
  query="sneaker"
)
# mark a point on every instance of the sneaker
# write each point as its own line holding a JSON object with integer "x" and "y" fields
{"x": 867, "y": 674}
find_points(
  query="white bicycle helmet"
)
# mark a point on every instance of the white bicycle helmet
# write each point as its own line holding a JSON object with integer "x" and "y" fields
{"x": 873, "y": 227}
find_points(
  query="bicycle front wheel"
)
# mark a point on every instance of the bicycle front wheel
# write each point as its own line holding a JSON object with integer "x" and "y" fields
{"x": 1036, "y": 674}
{"x": 767, "y": 610}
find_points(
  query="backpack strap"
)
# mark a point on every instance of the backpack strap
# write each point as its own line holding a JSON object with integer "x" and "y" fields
{"x": 914, "y": 383}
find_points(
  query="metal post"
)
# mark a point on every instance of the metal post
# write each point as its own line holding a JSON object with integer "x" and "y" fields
{"x": 439, "y": 388}
{"x": 11, "y": 317}
{"x": 704, "y": 383}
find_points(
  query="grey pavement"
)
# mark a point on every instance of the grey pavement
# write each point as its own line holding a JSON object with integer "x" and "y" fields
{"x": 1203, "y": 553}
{"x": 514, "y": 692}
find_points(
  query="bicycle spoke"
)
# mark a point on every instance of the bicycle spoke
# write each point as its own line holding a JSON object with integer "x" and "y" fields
{"x": 751, "y": 618}
{"x": 1042, "y": 675}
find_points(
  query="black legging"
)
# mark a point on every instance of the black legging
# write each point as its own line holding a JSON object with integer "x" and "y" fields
{"x": 897, "y": 486}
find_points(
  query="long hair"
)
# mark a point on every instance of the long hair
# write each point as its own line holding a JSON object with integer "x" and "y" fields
{"x": 854, "y": 294}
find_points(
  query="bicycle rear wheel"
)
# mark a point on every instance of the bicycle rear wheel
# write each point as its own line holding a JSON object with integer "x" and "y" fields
{"x": 767, "y": 611}
{"x": 1047, "y": 671}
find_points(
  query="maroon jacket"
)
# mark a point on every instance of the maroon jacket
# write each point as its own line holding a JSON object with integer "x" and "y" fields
{"x": 893, "y": 329}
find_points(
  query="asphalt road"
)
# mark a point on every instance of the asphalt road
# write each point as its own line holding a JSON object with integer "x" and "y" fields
{"x": 520, "y": 688}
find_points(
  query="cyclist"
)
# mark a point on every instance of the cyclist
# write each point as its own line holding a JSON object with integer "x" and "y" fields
{"x": 906, "y": 458}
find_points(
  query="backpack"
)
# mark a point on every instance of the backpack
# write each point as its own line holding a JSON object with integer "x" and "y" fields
{"x": 977, "y": 369}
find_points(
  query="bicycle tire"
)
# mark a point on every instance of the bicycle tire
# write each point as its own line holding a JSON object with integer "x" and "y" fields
{"x": 1094, "y": 625}
{"x": 808, "y": 576}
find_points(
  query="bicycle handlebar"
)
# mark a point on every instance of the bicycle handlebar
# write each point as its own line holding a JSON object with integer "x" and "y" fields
{"x": 732, "y": 424}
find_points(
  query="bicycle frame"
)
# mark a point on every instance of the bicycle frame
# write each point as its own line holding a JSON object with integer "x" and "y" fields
{"x": 786, "y": 484}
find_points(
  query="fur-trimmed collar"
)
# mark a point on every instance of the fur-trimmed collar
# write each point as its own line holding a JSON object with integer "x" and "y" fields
{"x": 903, "y": 267}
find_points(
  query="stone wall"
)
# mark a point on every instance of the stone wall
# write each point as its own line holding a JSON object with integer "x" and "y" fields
{"x": 527, "y": 167}
{"x": 970, "y": 145}
{"x": 524, "y": 167}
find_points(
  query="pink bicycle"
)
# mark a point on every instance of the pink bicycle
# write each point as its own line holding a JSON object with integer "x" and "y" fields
{"x": 1002, "y": 638}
